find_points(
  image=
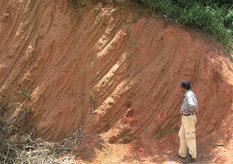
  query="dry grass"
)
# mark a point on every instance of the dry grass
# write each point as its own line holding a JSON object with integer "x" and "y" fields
{"x": 17, "y": 147}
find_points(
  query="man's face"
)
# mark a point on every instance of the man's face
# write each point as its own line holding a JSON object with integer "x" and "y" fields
{"x": 183, "y": 90}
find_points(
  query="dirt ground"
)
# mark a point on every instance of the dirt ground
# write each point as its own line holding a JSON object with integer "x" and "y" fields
{"x": 162, "y": 152}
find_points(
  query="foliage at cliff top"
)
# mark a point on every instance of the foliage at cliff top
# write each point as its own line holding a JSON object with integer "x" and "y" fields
{"x": 211, "y": 16}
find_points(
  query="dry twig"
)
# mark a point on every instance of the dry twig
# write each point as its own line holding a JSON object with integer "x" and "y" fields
{"x": 17, "y": 147}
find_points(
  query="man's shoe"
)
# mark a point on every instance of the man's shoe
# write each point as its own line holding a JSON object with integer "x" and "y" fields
{"x": 178, "y": 155}
{"x": 189, "y": 159}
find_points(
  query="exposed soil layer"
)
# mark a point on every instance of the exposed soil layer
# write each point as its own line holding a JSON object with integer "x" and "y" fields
{"x": 115, "y": 74}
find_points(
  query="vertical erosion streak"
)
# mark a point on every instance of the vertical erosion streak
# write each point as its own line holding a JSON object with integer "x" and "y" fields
{"x": 162, "y": 82}
{"x": 17, "y": 54}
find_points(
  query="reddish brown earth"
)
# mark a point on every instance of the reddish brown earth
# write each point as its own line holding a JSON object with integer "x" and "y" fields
{"x": 128, "y": 66}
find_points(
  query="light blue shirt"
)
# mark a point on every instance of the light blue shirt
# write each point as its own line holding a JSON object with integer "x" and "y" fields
{"x": 190, "y": 103}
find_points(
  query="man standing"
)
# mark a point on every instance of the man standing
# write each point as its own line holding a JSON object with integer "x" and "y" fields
{"x": 187, "y": 130}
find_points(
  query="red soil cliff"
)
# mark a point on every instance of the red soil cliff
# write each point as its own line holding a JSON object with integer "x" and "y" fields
{"x": 129, "y": 69}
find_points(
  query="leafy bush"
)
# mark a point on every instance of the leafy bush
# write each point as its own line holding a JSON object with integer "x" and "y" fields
{"x": 211, "y": 16}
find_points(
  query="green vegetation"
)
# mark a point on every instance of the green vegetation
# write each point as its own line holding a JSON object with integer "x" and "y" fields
{"x": 26, "y": 93}
{"x": 211, "y": 16}
{"x": 84, "y": 3}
